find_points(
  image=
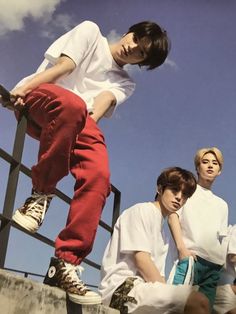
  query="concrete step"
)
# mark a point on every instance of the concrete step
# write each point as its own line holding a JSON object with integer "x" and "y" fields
{"x": 19, "y": 295}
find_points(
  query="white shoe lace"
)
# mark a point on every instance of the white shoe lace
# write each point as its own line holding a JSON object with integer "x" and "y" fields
{"x": 74, "y": 272}
{"x": 38, "y": 208}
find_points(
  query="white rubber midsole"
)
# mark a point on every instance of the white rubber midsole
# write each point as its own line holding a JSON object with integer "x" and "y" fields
{"x": 25, "y": 222}
{"x": 84, "y": 300}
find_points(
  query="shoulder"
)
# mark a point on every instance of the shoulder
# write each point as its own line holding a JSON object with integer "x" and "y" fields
{"x": 221, "y": 201}
{"x": 89, "y": 25}
{"x": 141, "y": 216}
{"x": 87, "y": 29}
{"x": 140, "y": 210}
{"x": 143, "y": 207}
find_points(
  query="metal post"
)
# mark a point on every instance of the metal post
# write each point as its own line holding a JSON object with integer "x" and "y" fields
{"x": 116, "y": 207}
{"x": 11, "y": 187}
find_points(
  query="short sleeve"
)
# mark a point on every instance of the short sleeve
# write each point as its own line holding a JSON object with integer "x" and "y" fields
{"x": 121, "y": 93}
{"x": 75, "y": 43}
{"x": 135, "y": 230}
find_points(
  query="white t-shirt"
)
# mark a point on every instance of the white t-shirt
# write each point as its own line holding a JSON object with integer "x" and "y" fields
{"x": 204, "y": 220}
{"x": 225, "y": 299}
{"x": 228, "y": 273}
{"x": 95, "y": 71}
{"x": 139, "y": 228}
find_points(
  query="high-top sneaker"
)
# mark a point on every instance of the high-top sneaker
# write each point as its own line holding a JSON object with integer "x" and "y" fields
{"x": 67, "y": 277}
{"x": 30, "y": 216}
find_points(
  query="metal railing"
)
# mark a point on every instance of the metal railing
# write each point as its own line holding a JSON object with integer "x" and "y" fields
{"x": 5, "y": 217}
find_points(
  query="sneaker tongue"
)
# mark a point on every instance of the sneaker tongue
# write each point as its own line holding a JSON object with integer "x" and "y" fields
{"x": 79, "y": 269}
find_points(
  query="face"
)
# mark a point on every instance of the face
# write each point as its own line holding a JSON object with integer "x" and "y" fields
{"x": 131, "y": 50}
{"x": 209, "y": 167}
{"x": 171, "y": 200}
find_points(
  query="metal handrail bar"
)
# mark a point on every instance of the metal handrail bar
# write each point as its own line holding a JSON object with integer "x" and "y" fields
{"x": 27, "y": 273}
{"x": 7, "y": 157}
{"x": 43, "y": 239}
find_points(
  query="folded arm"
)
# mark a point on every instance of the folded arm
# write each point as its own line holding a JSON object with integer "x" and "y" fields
{"x": 102, "y": 103}
{"x": 63, "y": 67}
{"x": 147, "y": 268}
{"x": 175, "y": 229}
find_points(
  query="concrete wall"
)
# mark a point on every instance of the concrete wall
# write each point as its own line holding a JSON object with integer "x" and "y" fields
{"x": 19, "y": 295}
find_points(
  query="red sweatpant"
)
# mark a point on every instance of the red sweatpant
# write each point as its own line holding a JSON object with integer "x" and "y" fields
{"x": 70, "y": 140}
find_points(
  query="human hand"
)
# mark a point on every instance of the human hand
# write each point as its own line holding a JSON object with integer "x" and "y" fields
{"x": 12, "y": 100}
{"x": 6, "y": 98}
{"x": 184, "y": 253}
{"x": 17, "y": 97}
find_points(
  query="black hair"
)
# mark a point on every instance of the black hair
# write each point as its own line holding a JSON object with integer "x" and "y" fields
{"x": 178, "y": 179}
{"x": 160, "y": 43}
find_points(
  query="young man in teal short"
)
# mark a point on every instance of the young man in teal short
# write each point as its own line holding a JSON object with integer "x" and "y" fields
{"x": 199, "y": 227}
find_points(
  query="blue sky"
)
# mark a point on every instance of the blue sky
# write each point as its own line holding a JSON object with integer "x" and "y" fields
{"x": 186, "y": 104}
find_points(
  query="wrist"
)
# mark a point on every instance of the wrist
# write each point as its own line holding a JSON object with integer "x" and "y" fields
{"x": 181, "y": 248}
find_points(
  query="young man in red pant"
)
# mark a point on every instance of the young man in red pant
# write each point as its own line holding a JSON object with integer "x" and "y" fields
{"x": 80, "y": 81}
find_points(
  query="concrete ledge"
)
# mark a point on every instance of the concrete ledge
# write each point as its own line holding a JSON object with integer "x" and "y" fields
{"x": 19, "y": 295}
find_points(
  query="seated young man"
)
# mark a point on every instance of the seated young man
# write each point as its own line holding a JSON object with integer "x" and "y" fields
{"x": 134, "y": 260}
{"x": 225, "y": 301}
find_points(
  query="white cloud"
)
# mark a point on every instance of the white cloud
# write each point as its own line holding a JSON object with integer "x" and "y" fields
{"x": 60, "y": 23}
{"x": 13, "y": 12}
{"x": 113, "y": 36}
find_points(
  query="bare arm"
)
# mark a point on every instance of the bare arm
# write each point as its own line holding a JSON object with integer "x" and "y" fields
{"x": 147, "y": 268}
{"x": 63, "y": 67}
{"x": 175, "y": 228}
{"x": 102, "y": 102}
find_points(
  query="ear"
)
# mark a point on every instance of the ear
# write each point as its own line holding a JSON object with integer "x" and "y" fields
{"x": 159, "y": 189}
{"x": 219, "y": 173}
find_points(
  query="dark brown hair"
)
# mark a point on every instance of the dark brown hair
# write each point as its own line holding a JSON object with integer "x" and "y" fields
{"x": 178, "y": 179}
{"x": 160, "y": 43}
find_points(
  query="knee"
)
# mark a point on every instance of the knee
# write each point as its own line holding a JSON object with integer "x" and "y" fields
{"x": 103, "y": 177}
{"x": 202, "y": 302}
{"x": 100, "y": 181}
{"x": 197, "y": 303}
{"x": 64, "y": 103}
{"x": 73, "y": 107}
{"x": 61, "y": 97}
{"x": 233, "y": 311}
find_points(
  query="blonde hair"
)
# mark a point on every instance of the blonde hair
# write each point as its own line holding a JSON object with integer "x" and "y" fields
{"x": 203, "y": 151}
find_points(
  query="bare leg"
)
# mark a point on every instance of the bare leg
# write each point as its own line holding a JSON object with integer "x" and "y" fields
{"x": 233, "y": 311}
{"x": 197, "y": 303}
